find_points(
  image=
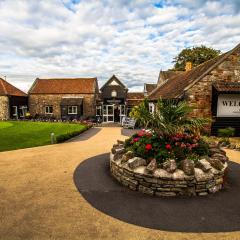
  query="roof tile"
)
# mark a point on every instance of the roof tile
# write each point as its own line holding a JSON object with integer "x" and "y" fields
{"x": 8, "y": 89}
{"x": 64, "y": 86}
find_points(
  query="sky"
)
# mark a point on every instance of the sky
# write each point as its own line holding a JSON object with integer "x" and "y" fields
{"x": 89, "y": 38}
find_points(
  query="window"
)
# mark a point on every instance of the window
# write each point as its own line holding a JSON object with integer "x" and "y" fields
{"x": 23, "y": 111}
{"x": 99, "y": 110}
{"x": 15, "y": 111}
{"x": 72, "y": 110}
{"x": 48, "y": 110}
{"x": 114, "y": 93}
{"x": 151, "y": 107}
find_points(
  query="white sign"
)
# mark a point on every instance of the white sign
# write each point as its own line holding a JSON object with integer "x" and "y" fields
{"x": 228, "y": 105}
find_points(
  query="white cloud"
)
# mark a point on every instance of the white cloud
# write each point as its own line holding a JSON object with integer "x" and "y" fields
{"x": 132, "y": 39}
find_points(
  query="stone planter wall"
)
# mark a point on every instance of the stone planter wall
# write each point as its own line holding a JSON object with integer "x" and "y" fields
{"x": 133, "y": 173}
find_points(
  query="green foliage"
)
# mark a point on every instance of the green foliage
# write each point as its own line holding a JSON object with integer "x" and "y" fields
{"x": 24, "y": 134}
{"x": 64, "y": 137}
{"x": 161, "y": 147}
{"x": 224, "y": 141}
{"x": 141, "y": 114}
{"x": 226, "y": 132}
{"x": 172, "y": 117}
{"x": 203, "y": 148}
{"x": 195, "y": 55}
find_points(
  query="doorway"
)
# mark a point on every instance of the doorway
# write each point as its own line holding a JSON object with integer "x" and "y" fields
{"x": 116, "y": 113}
{"x": 108, "y": 113}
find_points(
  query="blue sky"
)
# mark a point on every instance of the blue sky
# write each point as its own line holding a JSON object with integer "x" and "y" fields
{"x": 88, "y": 38}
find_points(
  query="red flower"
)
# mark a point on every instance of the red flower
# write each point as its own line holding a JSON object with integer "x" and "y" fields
{"x": 148, "y": 147}
{"x": 141, "y": 134}
{"x": 168, "y": 147}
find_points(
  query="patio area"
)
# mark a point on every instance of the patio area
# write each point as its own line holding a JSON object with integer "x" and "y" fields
{"x": 39, "y": 199}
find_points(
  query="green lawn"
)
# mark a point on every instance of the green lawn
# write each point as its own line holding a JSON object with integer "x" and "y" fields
{"x": 16, "y": 134}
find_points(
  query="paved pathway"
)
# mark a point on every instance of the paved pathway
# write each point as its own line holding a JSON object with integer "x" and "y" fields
{"x": 38, "y": 199}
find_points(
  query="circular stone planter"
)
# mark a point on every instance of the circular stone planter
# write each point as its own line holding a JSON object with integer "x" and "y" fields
{"x": 190, "y": 179}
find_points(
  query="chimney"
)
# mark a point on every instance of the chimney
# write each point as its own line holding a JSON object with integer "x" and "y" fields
{"x": 188, "y": 66}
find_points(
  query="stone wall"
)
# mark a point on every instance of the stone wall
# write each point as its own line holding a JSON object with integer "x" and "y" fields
{"x": 204, "y": 178}
{"x": 200, "y": 94}
{"x": 37, "y": 103}
{"x": 4, "y": 107}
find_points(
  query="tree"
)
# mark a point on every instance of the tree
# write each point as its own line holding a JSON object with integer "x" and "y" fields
{"x": 195, "y": 55}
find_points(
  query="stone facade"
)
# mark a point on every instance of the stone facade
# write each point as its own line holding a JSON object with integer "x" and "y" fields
{"x": 200, "y": 94}
{"x": 202, "y": 178}
{"x": 37, "y": 103}
{"x": 4, "y": 107}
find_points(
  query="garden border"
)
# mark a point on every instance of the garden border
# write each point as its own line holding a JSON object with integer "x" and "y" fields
{"x": 134, "y": 174}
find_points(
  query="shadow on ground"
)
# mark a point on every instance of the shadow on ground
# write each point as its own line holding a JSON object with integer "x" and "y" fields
{"x": 217, "y": 212}
{"x": 128, "y": 132}
{"x": 85, "y": 135}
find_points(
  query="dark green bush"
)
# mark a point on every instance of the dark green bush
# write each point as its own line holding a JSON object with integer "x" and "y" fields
{"x": 226, "y": 132}
{"x": 64, "y": 137}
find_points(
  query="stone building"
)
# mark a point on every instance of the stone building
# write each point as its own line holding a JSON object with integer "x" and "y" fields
{"x": 13, "y": 102}
{"x": 115, "y": 102}
{"x": 213, "y": 88}
{"x": 63, "y": 98}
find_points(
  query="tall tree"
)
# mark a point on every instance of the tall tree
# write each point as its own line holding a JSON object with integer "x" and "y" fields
{"x": 195, "y": 55}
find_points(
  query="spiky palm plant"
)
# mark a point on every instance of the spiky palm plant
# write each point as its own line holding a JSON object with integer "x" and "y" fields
{"x": 141, "y": 114}
{"x": 172, "y": 116}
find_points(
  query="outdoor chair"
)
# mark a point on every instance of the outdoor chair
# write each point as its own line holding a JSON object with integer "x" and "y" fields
{"x": 129, "y": 123}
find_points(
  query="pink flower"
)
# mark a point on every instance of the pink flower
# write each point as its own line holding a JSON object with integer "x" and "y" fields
{"x": 136, "y": 139}
{"x": 182, "y": 145}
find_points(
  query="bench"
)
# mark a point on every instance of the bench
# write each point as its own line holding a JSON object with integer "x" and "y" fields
{"x": 128, "y": 122}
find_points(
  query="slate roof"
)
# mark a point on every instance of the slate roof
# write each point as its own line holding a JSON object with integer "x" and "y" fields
{"x": 149, "y": 87}
{"x": 165, "y": 75}
{"x": 175, "y": 86}
{"x": 134, "y": 98}
{"x": 222, "y": 86}
{"x": 112, "y": 79}
{"x": 135, "y": 95}
{"x": 7, "y": 89}
{"x": 64, "y": 86}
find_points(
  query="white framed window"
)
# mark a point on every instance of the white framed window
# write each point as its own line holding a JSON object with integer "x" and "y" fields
{"x": 15, "y": 111}
{"x": 151, "y": 107}
{"x": 23, "y": 111}
{"x": 114, "y": 93}
{"x": 72, "y": 110}
{"x": 48, "y": 109}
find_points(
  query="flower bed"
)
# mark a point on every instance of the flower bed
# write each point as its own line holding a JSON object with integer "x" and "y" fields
{"x": 170, "y": 158}
{"x": 176, "y": 165}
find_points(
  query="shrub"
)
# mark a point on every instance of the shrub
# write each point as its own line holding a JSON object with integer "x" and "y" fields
{"x": 64, "y": 137}
{"x": 226, "y": 132}
{"x": 224, "y": 142}
{"x": 150, "y": 145}
{"x": 171, "y": 116}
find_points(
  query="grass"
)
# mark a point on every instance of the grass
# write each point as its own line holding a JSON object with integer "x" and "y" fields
{"x": 17, "y": 134}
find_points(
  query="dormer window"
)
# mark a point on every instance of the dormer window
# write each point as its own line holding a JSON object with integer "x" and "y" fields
{"x": 114, "y": 93}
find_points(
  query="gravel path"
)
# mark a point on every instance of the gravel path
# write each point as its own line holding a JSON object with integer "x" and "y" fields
{"x": 39, "y": 200}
